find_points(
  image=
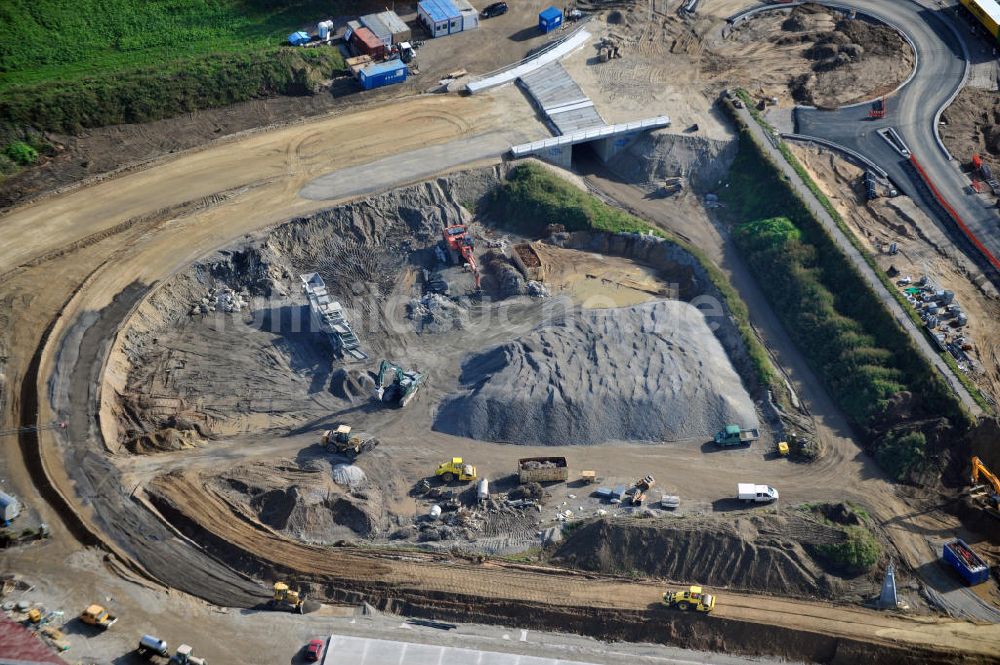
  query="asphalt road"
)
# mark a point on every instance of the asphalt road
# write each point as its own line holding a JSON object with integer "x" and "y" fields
{"x": 912, "y": 111}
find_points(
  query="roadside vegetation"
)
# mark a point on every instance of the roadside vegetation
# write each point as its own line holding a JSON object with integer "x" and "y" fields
{"x": 68, "y": 66}
{"x": 857, "y": 554}
{"x": 533, "y": 197}
{"x": 971, "y": 387}
{"x": 852, "y": 341}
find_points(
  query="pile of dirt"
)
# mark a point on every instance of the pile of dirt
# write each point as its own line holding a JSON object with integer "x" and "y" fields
{"x": 652, "y": 372}
{"x": 972, "y": 126}
{"x": 819, "y": 56}
{"x": 305, "y": 502}
{"x": 758, "y": 553}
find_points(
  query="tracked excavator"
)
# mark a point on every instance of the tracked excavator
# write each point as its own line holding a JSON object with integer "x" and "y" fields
{"x": 395, "y": 385}
{"x": 992, "y": 487}
{"x": 457, "y": 248}
{"x": 344, "y": 440}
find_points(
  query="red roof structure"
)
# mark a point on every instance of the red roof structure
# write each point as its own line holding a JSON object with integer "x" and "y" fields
{"x": 20, "y": 645}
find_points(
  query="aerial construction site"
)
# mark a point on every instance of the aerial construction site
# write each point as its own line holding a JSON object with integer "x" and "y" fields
{"x": 656, "y": 331}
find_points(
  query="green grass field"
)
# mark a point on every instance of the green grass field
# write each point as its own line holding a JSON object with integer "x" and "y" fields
{"x": 52, "y": 40}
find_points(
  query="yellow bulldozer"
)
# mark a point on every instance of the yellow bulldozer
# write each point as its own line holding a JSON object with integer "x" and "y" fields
{"x": 692, "y": 598}
{"x": 456, "y": 469}
{"x": 284, "y": 599}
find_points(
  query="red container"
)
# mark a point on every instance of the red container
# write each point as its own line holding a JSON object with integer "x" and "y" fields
{"x": 366, "y": 42}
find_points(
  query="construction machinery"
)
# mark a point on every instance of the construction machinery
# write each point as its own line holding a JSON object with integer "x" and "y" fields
{"x": 692, "y": 598}
{"x": 284, "y": 599}
{"x": 185, "y": 657}
{"x": 344, "y": 440}
{"x": 150, "y": 644}
{"x": 877, "y": 111}
{"x": 456, "y": 469}
{"x": 396, "y": 385}
{"x": 992, "y": 489}
{"x": 734, "y": 435}
{"x": 457, "y": 248}
{"x": 95, "y": 615}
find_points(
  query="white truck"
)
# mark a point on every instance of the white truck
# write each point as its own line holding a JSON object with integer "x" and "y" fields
{"x": 750, "y": 493}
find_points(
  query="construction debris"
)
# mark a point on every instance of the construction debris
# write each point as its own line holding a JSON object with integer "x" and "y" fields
{"x": 221, "y": 299}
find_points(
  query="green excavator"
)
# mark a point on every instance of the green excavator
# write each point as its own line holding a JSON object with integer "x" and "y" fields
{"x": 396, "y": 385}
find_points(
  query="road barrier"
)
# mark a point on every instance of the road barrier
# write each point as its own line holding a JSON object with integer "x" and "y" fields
{"x": 952, "y": 213}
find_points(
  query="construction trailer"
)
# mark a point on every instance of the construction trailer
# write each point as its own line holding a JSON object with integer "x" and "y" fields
{"x": 549, "y": 19}
{"x": 987, "y": 12}
{"x": 328, "y": 317}
{"x": 469, "y": 14}
{"x": 365, "y": 42}
{"x": 382, "y": 73}
{"x": 447, "y": 17}
{"x": 388, "y": 27}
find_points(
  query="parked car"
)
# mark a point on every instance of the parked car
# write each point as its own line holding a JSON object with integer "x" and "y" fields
{"x": 496, "y": 9}
{"x": 314, "y": 650}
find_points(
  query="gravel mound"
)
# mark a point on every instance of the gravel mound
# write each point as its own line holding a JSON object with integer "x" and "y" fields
{"x": 348, "y": 475}
{"x": 652, "y": 372}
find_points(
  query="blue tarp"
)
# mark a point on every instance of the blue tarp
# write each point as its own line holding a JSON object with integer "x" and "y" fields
{"x": 298, "y": 38}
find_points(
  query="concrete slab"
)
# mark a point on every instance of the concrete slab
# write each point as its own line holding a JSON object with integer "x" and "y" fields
{"x": 344, "y": 650}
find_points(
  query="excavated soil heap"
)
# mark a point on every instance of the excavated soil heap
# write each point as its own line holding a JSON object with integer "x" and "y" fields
{"x": 760, "y": 553}
{"x": 652, "y": 372}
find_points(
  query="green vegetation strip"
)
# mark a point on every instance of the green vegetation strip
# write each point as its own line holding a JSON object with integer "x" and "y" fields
{"x": 534, "y": 197}
{"x": 65, "y": 66}
{"x": 850, "y": 338}
{"x": 911, "y": 312}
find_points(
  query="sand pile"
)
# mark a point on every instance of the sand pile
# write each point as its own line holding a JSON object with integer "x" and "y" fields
{"x": 652, "y": 372}
{"x": 762, "y": 553}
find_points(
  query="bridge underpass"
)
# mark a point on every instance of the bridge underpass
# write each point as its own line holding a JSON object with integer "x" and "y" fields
{"x": 574, "y": 119}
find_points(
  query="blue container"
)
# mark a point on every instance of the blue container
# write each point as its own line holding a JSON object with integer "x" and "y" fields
{"x": 960, "y": 556}
{"x": 383, "y": 73}
{"x": 298, "y": 38}
{"x": 550, "y": 19}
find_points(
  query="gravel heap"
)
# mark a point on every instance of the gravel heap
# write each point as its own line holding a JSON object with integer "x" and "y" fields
{"x": 348, "y": 475}
{"x": 652, "y": 372}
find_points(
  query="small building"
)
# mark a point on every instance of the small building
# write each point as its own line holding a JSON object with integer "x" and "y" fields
{"x": 349, "y": 30}
{"x": 549, "y": 19}
{"x": 9, "y": 508}
{"x": 441, "y": 17}
{"x": 378, "y": 28}
{"x": 470, "y": 15}
{"x": 382, "y": 73}
{"x": 388, "y": 27}
{"x": 366, "y": 43}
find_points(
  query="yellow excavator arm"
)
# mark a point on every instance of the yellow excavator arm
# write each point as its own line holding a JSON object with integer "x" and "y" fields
{"x": 979, "y": 469}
